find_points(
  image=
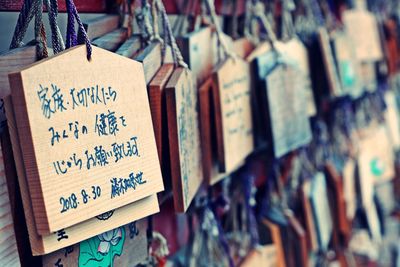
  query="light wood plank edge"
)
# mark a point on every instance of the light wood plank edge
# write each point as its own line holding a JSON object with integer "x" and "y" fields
{"x": 28, "y": 158}
{"x": 218, "y": 123}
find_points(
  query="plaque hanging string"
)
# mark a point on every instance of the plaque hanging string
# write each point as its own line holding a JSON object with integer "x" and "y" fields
{"x": 28, "y": 11}
{"x": 169, "y": 36}
{"x": 126, "y": 14}
{"x": 34, "y": 8}
{"x": 143, "y": 18}
{"x": 40, "y": 33}
{"x": 72, "y": 38}
{"x": 56, "y": 37}
{"x": 156, "y": 32}
{"x": 255, "y": 10}
{"x": 221, "y": 41}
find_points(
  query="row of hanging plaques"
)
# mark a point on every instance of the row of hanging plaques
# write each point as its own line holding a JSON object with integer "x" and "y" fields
{"x": 93, "y": 139}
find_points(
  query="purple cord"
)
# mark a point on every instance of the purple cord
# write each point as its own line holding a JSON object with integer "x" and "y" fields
{"x": 72, "y": 38}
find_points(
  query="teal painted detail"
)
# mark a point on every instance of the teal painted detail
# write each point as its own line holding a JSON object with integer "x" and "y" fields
{"x": 99, "y": 251}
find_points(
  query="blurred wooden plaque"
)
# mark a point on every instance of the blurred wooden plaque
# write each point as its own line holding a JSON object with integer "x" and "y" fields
{"x": 99, "y": 26}
{"x": 289, "y": 124}
{"x": 68, "y": 236}
{"x": 294, "y": 49}
{"x": 184, "y": 137}
{"x": 233, "y": 111}
{"x": 197, "y": 50}
{"x": 362, "y": 28}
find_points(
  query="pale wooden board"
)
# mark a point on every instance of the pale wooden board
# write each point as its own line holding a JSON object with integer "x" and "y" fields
{"x": 375, "y": 161}
{"x": 184, "y": 137}
{"x": 129, "y": 250}
{"x": 46, "y": 186}
{"x": 97, "y": 27}
{"x": 197, "y": 50}
{"x": 151, "y": 60}
{"x": 130, "y": 47}
{"x": 112, "y": 40}
{"x": 45, "y": 244}
{"x": 158, "y": 105}
{"x": 362, "y": 28}
{"x": 295, "y": 50}
{"x": 233, "y": 111}
{"x": 347, "y": 65}
{"x": 11, "y": 61}
{"x": 289, "y": 124}
{"x": 9, "y": 255}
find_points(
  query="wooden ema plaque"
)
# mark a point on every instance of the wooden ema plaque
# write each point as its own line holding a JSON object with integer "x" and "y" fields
{"x": 232, "y": 105}
{"x": 99, "y": 26}
{"x": 11, "y": 61}
{"x": 122, "y": 246}
{"x": 184, "y": 137}
{"x": 111, "y": 166}
{"x": 375, "y": 162}
{"x": 9, "y": 255}
{"x": 197, "y": 50}
{"x": 297, "y": 51}
{"x": 347, "y": 65}
{"x": 130, "y": 47}
{"x": 362, "y": 29}
{"x": 158, "y": 107}
{"x": 151, "y": 59}
{"x": 45, "y": 244}
{"x": 65, "y": 237}
{"x": 112, "y": 40}
{"x": 288, "y": 126}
